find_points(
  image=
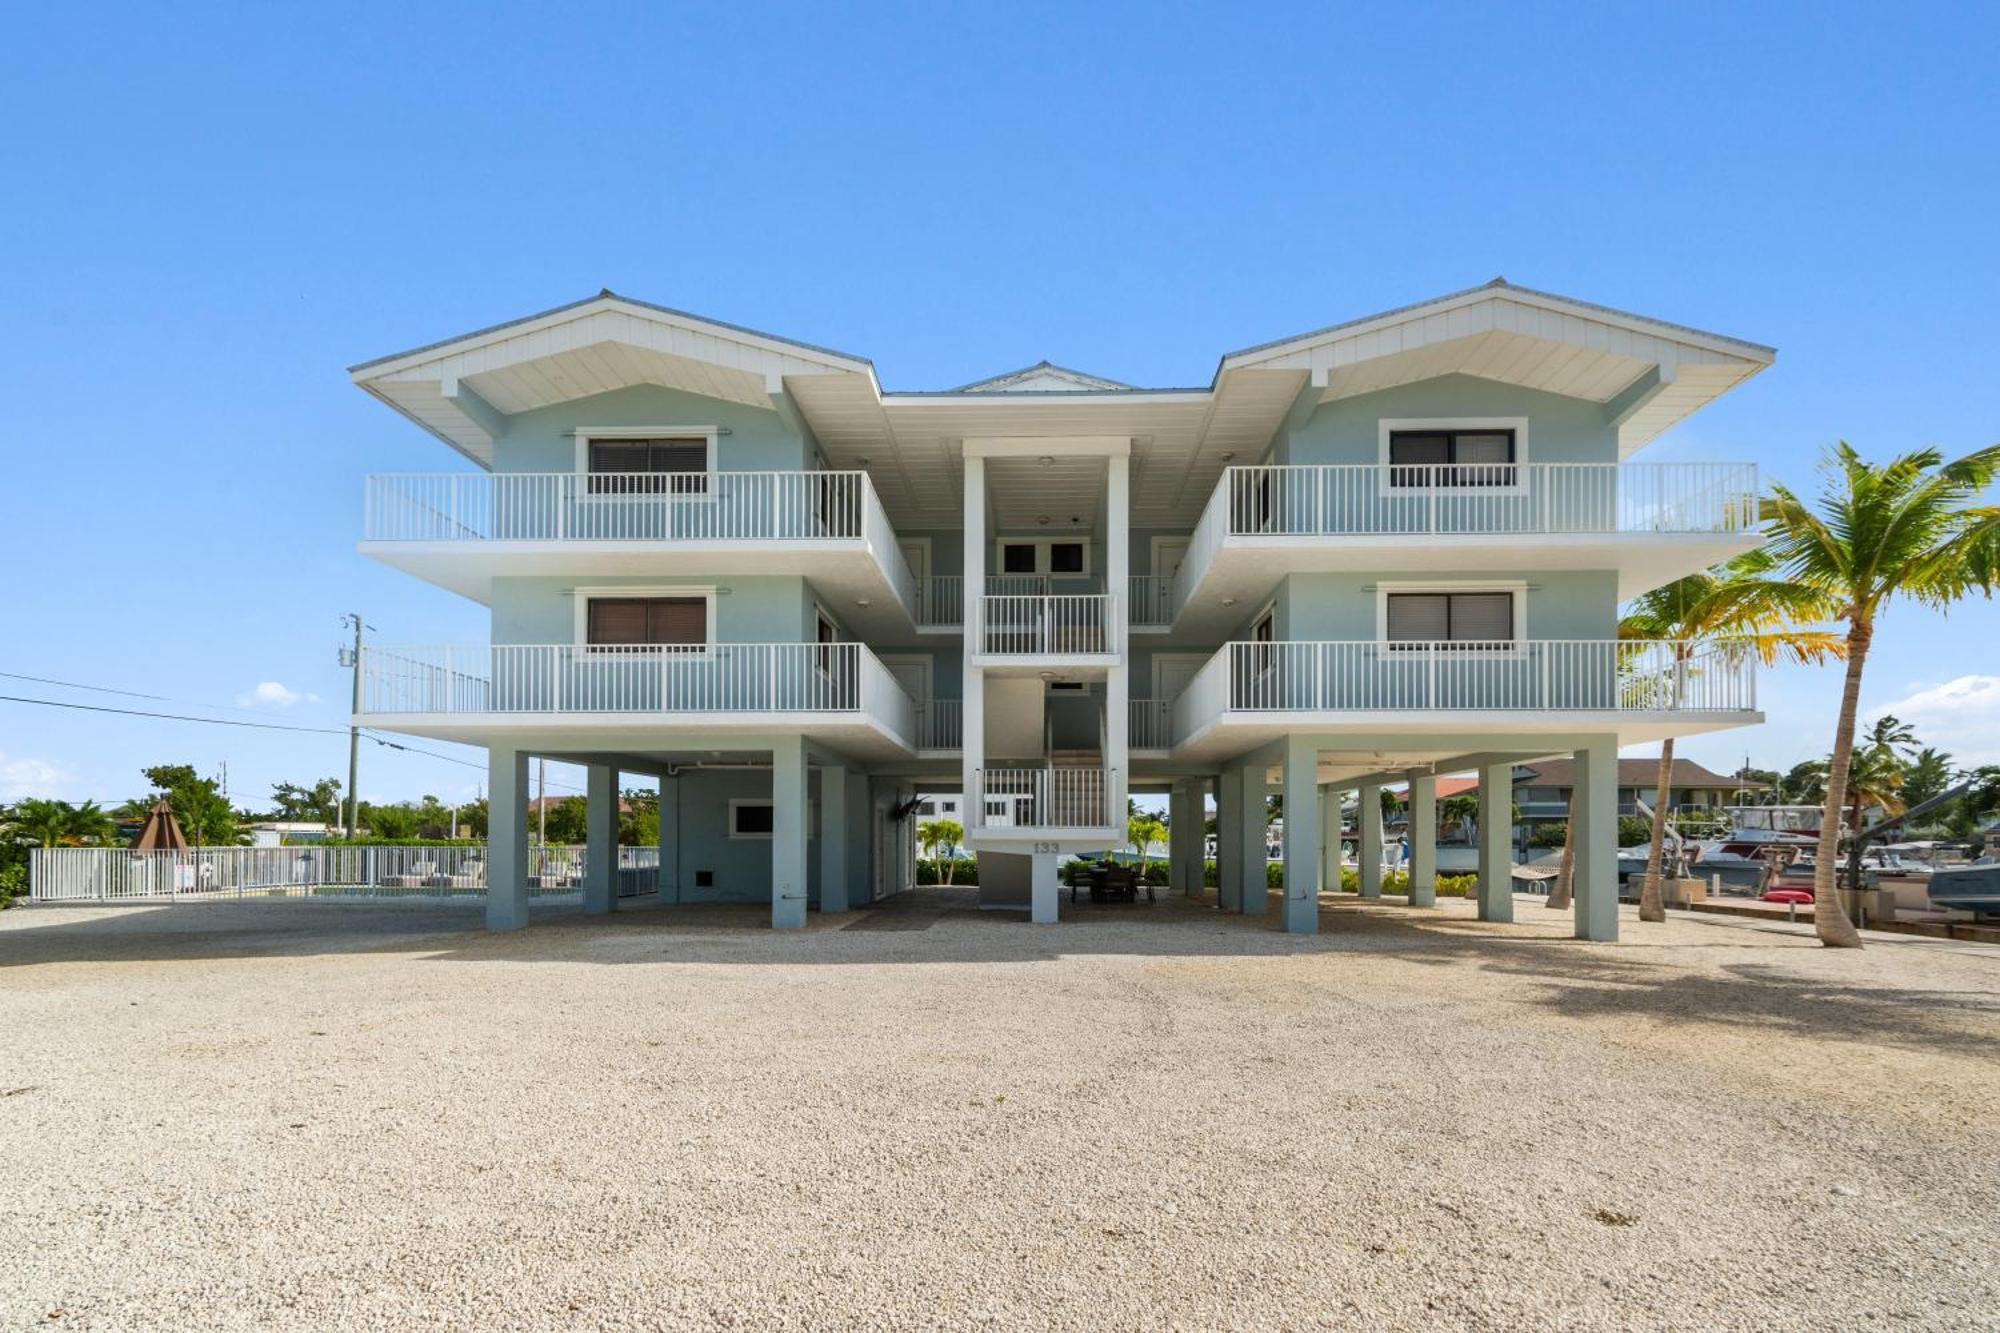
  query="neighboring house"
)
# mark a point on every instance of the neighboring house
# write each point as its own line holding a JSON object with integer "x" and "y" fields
{"x": 1544, "y": 789}
{"x": 1388, "y": 548}
{"x": 288, "y": 833}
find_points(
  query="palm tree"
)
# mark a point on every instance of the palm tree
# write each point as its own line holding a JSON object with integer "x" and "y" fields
{"x": 1460, "y": 811}
{"x": 1907, "y": 528}
{"x": 1927, "y": 774}
{"x": 1892, "y": 733}
{"x": 938, "y": 836}
{"x": 87, "y": 823}
{"x": 1738, "y": 602}
{"x": 40, "y": 821}
{"x": 1143, "y": 831}
{"x": 1875, "y": 777}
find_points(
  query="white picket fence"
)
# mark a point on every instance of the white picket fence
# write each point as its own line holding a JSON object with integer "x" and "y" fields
{"x": 218, "y": 874}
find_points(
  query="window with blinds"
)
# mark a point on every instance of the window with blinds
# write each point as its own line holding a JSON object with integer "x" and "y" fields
{"x": 615, "y": 623}
{"x": 666, "y": 466}
{"x": 1451, "y": 619}
{"x": 1452, "y": 458}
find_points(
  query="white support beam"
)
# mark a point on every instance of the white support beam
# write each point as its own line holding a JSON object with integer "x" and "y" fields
{"x": 1250, "y": 795}
{"x": 1368, "y": 820}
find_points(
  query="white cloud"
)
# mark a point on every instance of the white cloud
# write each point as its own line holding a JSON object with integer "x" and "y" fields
{"x": 273, "y": 694}
{"x": 21, "y": 778}
{"x": 1960, "y": 717}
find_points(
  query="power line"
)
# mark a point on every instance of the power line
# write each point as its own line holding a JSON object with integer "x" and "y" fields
{"x": 170, "y": 717}
{"x": 100, "y": 689}
{"x": 232, "y": 722}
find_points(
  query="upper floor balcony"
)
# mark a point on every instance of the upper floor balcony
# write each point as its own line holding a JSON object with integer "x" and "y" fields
{"x": 1651, "y": 522}
{"x": 460, "y": 530}
{"x": 1249, "y": 693}
{"x": 1035, "y": 630}
{"x": 645, "y": 695}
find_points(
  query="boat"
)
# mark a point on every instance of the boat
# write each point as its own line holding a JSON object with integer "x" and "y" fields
{"x": 1971, "y": 888}
{"x": 1756, "y": 830}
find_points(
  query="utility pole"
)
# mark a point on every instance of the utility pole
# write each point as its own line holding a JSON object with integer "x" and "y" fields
{"x": 353, "y": 729}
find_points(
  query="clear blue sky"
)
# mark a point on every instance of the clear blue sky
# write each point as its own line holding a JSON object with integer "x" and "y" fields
{"x": 210, "y": 212}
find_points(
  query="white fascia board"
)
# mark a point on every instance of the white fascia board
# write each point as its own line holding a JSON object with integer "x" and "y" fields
{"x": 403, "y": 362}
{"x": 1719, "y": 344}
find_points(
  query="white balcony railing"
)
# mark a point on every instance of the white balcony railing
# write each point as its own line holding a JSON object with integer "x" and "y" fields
{"x": 940, "y": 724}
{"x": 1536, "y": 675}
{"x": 747, "y": 507}
{"x": 1499, "y": 499}
{"x": 1151, "y": 725}
{"x": 940, "y": 601}
{"x": 1046, "y": 625}
{"x": 696, "y": 679}
{"x": 1152, "y": 601}
{"x": 1046, "y": 798}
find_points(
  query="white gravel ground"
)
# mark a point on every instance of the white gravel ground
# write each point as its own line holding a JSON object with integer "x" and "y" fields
{"x": 299, "y": 1115}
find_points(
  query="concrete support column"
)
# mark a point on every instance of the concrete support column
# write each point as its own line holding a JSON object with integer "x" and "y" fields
{"x": 972, "y": 705}
{"x": 1250, "y": 795}
{"x": 1228, "y": 832}
{"x": 1594, "y": 826}
{"x": 1368, "y": 819}
{"x": 1302, "y": 843}
{"x": 1044, "y": 887}
{"x": 1496, "y": 826}
{"x": 1183, "y": 832}
{"x": 1329, "y": 837}
{"x": 1423, "y": 839}
{"x": 1118, "y": 679}
{"x": 789, "y": 879}
{"x": 600, "y": 844}
{"x": 833, "y": 835}
{"x": 506, "y": 838}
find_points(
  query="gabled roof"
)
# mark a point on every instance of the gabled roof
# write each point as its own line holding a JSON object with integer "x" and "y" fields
{"x": 1646, "y": 373}
{"x": 1042, "y": 377}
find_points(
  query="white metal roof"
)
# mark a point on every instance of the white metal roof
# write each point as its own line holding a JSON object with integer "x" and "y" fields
{"x": 1647, "y": 374}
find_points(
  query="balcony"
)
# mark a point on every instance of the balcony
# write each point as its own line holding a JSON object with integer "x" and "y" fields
{"x": 940, "y": 724}
{"x": 1035, "y": 630}
{"x": 1651, "y": 522}
{"x": 1047, "y": 800}
{"x": 940, "y": 602}
{"x": 835, "y": 692}
{"x": 1643, "y": 689}
{"x": 460, "y": 530}
{"x": 1150, "y": 725}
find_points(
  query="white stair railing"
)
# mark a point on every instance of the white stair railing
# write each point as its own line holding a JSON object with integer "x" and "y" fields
{"x": 1047, "y": 797}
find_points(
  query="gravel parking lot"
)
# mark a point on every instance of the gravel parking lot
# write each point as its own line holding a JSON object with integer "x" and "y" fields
{"x": 305, "y": 1115}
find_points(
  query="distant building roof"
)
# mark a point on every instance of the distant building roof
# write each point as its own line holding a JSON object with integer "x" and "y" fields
{"x": 1633, "y": 773}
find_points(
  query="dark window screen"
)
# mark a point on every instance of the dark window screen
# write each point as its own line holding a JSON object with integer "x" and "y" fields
{"x": 1452, "y": 458}
{"x": 629, "y": 621}
{"x": 649, "y": 467}
{"x": 1472, "y": 619}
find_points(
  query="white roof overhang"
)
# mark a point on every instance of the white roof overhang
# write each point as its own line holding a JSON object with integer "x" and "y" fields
{"x": 1647, "y": 373}
{"x": 460, "y": 389}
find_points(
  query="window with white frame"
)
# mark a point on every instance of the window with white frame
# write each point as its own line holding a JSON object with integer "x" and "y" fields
{"x": 1446, "y": 619}
{"x": 613, "y": 624}
{"x": 750, "y": 819}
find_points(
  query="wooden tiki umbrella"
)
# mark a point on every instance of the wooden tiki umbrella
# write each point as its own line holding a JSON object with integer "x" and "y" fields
{"x": 161, "y": 831}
